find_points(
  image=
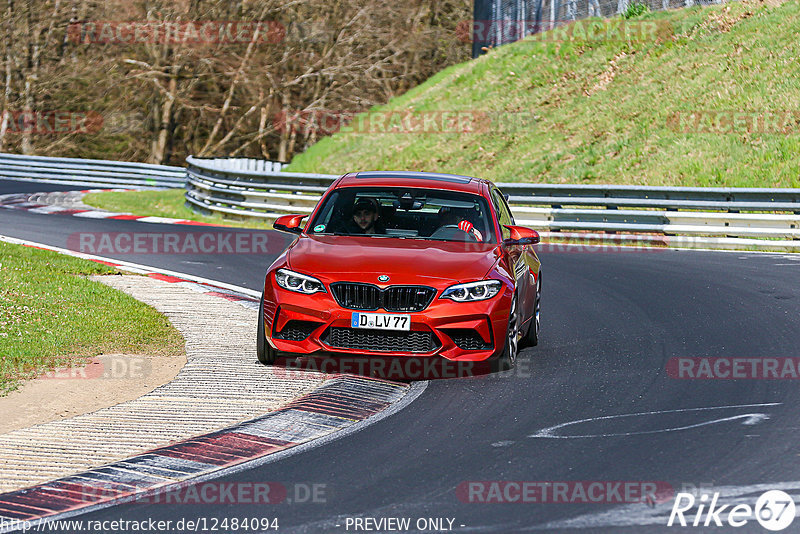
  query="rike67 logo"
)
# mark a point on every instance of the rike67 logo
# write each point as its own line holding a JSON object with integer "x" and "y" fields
{"x": 774, "y": 510}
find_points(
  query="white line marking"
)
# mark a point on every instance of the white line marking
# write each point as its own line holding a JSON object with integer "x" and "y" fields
{"x": 750, "y": 419}
{"x": 95, "y": 214}
{"x": 47, "y": 209}
{"x": 159, "y": 220}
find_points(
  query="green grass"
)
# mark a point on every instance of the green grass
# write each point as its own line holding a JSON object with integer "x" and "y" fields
{"x": 604, "y": 112}
{"x": 52, "y": 316}
{"x": 635, "y": 10}
{"x": 165, "y": 203}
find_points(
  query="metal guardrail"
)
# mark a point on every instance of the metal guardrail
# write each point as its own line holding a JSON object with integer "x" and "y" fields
{"x": 213, "y": 187}
{"x": 699, "y": 216}
{"x": 91, "y": 172}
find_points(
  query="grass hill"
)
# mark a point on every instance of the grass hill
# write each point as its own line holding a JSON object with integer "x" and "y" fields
{"x": 712, "y": 98}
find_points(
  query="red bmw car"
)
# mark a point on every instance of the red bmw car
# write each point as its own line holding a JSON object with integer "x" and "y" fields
{"x": 404, "y": 264}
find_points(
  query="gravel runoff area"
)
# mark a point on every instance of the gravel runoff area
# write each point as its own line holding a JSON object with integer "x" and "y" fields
{"x": 221, "y": 384}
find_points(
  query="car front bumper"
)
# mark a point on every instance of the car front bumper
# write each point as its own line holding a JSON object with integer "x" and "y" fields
{"x": 306, "y": 324}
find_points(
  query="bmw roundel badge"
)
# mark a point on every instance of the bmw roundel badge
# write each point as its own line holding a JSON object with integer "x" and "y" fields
{"x": 383, "y": 278}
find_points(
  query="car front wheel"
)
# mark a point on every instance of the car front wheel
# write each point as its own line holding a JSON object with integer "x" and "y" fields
{"x": 509, "y": 356}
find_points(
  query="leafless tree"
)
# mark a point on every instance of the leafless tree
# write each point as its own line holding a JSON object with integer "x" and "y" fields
{"x": 214, "y": 97}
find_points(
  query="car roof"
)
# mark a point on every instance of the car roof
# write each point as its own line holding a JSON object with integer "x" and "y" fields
{"x": 450, "y": 182}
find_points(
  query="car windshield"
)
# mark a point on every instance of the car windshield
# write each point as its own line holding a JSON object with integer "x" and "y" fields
{"x": 405, "y": 213}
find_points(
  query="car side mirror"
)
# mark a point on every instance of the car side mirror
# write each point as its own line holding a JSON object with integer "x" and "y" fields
{"x": 521, "y": 236}
{"x": 289, "y": 223}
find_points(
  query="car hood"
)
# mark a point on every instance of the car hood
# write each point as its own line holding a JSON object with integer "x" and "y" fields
{"x": 405, "y": 261}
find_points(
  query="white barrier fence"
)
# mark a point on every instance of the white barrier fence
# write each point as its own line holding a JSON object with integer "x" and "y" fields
{"x": 92, "y": 172}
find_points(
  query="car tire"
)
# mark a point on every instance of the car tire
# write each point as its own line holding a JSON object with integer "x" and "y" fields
{"x": 508, "y": 358}
{"x": 532, "y": 336}
{"x": 266, "y": 354}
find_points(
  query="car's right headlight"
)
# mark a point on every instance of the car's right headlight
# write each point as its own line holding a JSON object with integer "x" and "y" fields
{"x": 299, "y": 283}
{"x": 473, "y": 291}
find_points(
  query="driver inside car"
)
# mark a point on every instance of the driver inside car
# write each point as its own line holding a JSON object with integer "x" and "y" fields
{"x": 365, "y": 220}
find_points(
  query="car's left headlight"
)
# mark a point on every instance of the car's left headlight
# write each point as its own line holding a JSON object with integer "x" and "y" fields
{"x": 473, "y": 291}
{"x": 299, "y": 283}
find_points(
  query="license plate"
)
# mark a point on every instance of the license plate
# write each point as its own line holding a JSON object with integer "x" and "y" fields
{"x": 381, "y": 321}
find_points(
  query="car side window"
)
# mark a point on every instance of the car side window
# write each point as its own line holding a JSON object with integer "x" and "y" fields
{"x": 503, "y": 212}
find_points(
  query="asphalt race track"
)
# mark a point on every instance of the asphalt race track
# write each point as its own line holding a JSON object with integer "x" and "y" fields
{"x": 611, "y": 322}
